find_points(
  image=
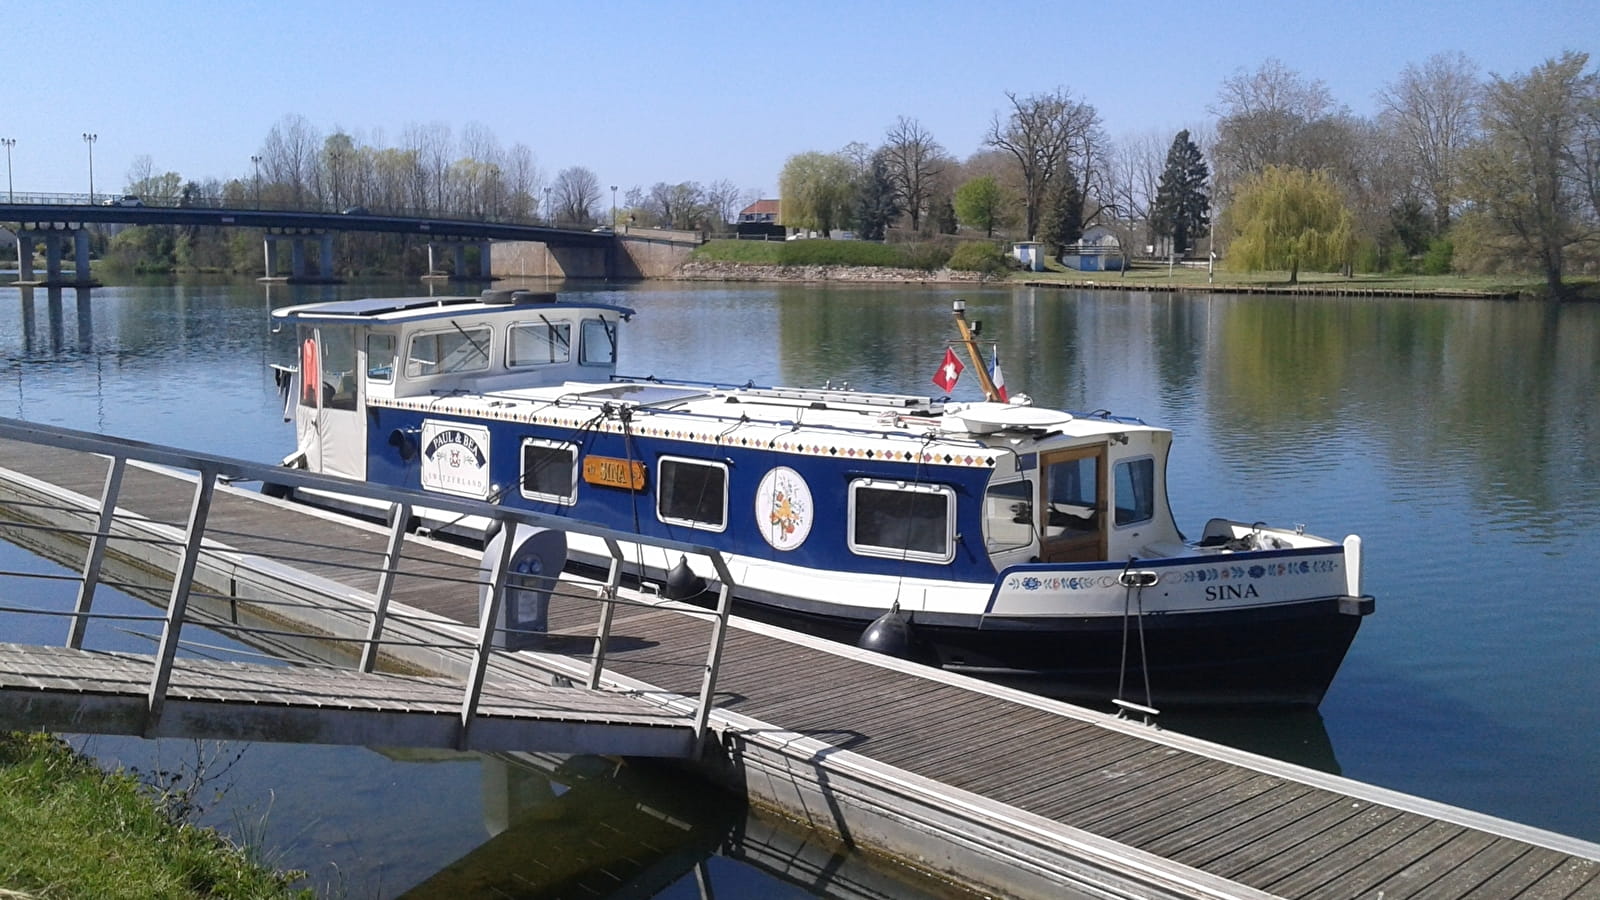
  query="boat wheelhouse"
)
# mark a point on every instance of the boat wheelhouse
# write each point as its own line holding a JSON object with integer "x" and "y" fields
{"x": 1013, "y": 542}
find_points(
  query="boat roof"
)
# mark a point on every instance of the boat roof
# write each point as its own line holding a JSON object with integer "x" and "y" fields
{"x": 837, "y": 423}
{"x": 411, "y": 309}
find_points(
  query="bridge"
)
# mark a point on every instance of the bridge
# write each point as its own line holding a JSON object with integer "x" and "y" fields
{"x": 235, "y": 574}
{"x": 59, "y": 220}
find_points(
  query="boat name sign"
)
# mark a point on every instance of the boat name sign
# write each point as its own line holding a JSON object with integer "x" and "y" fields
{"x": 612, "y": 472}
{"x": 455, "y": 459}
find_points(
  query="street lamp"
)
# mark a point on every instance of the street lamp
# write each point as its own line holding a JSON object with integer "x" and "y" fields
{"x": 255, "y": 160}
{"x": 613, "y": 207}
{"x": 89, "y": 139}
{"x": 11, "y": 195}
{"x": 334, "y": 155}
{"x": 549, "y": 214}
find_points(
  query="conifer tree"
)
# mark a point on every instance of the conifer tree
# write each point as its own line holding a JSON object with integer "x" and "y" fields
{"x": 1181, "y": 206}
{"x": 877, "y": 201}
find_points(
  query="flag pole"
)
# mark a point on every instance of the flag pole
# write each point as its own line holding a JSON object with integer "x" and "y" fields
{"x": 959, "y": 309}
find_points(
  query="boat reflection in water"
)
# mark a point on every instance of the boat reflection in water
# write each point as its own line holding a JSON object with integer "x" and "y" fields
{"x": 586, "y": 826}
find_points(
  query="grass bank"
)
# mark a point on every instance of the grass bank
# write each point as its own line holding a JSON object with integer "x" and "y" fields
{"x": 1143, "y": 277}
{"x": 71, "y": 830}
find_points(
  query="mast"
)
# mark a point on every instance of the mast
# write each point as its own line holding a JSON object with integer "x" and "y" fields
{"x": 959, "y": 309}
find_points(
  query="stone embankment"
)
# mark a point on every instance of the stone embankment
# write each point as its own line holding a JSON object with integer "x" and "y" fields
{"x": 726, "y": 271}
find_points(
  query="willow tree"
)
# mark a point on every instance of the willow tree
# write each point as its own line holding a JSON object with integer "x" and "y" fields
{"x": 815, "y": 191}
{"x": 1289, "y": 218}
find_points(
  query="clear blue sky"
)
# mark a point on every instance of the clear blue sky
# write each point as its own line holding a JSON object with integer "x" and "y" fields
{"x": 641, "y": 92}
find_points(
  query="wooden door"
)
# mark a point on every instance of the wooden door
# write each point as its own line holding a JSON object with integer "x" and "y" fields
{"x": 1072, "y": 505}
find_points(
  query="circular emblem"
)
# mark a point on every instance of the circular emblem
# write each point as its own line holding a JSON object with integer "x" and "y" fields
{"x": 783, "y": 508}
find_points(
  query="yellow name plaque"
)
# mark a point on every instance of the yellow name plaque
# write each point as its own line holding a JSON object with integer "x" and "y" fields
{"x": 612, "y": 472}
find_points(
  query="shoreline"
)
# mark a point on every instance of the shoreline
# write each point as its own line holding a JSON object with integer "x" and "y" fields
{"x": 701, "y": 270}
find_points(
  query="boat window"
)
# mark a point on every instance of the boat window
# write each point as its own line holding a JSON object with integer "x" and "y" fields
{"x": 1008, "y": 515}
{"x": 1135, "y": 490}
{"x": 380, "y": 357}
{"x": 692, "y": 492}
{"x": 549, "y": 471}
{"x": 902, "y": 521}
{"x": 539, "y": 343}
{"x": 1073, "y": 487}
{"x": 338, "y": 367}
{"x": 442, "y": 352}
{"x": 599, "y": 343}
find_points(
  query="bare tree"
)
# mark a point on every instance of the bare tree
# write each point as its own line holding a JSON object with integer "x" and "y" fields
{"x": 289, "y": 156}
{"x": 724, "y": 200}
{"x": 1433, "y": 112}
{"x": 523, "y": 180}
{"x": 577, "y": 190}
{"x": 1045, "y": 134}
{"x": 1262, "y": 117}
{"x": 914, "y": 161}
{"x": 431, "y": 144}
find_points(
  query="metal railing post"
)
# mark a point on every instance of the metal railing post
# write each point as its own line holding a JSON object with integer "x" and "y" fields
{"x": 719, "y": 629}
{"x": 97, "y": 552}
{"x": 391, "y": 567}
{"x": 178, "y": 604}
{"x": 608, "y": 607}
{"x": 486, "y": 627}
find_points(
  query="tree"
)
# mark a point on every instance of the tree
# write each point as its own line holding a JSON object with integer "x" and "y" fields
{"x": 1527, "y": 177}
{"x": 1061, "y": 222}
{"x": 981, "y": 203}
{"x": 815, "y": 190}
{"x": 1432, "y": 111}
{"x": 1182, "y": 204}
{"x": 576, "y": 190}
{"x": 877, "y": 200}
{"x": 1044, "y": 133}
{"x": 1263, "y": 119}
{"x": 1289, "y": 218}
{"x": 288, "y": 157}
{"x": 914, "y": 161}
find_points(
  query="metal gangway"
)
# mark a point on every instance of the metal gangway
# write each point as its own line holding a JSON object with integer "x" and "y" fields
{"x": 499, "y": 699}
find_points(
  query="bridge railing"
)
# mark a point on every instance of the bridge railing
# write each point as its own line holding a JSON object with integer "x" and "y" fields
{"x": 184, "y": 550}
{"x": 310, "y": 205}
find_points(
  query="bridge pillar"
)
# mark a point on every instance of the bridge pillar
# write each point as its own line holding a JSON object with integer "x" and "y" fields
{"x": 52, "y": 258}
{"x": 297, "y": 257}
{"x": 484, "y": 271}
{"x": 461, "y": 261}
{"x": 269, "y": 254}
{"x": 432, "y": 269}
{"x": 325, "y": 256}
{"x": 80, "y": 259}
{"x": 24, "y": 255}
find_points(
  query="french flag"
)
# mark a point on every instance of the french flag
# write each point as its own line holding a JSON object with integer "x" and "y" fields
{"x": 995, "y": 376}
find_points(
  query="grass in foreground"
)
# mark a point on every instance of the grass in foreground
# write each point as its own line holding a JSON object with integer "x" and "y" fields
{"x": 70, "y": 830}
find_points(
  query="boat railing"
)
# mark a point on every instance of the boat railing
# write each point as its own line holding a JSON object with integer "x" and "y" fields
{"x": 205, "y": 567}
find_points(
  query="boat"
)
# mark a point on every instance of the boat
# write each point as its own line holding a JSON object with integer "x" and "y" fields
{"x": 996, "y": 538}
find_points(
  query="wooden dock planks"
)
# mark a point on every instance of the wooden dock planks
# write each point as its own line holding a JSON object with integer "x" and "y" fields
{"x": 1259, "y": 829}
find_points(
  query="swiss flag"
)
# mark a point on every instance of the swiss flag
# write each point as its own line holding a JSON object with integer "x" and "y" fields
{"x": 948, "y": 372}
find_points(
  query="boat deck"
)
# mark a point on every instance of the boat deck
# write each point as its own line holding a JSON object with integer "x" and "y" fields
{"x": 1263, "y": 826}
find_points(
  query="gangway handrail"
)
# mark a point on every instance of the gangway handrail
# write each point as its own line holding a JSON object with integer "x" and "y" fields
{"x": 213, "y": 468}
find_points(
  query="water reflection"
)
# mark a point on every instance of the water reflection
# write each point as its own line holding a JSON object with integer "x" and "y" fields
{"x": 593, "y": 827}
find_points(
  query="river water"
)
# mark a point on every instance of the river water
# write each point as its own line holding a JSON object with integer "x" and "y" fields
{"x": 1460, "y": 439}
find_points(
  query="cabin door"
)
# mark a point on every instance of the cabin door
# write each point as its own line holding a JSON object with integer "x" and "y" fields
{"x": 329, "y": 426}
{"x": 1072, "y": 505}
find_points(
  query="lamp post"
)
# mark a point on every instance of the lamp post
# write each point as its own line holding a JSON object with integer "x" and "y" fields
{"x": 613, "y": 207}
{"x": 11, "y": 195}
{"x": 333, "y": 156}
{"x": 549, "y": 214}
{"x": 89, "y": 138}
{"x": 255, "y": 160}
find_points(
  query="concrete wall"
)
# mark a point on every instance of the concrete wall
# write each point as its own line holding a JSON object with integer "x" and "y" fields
{"x": 639, "y": 253}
